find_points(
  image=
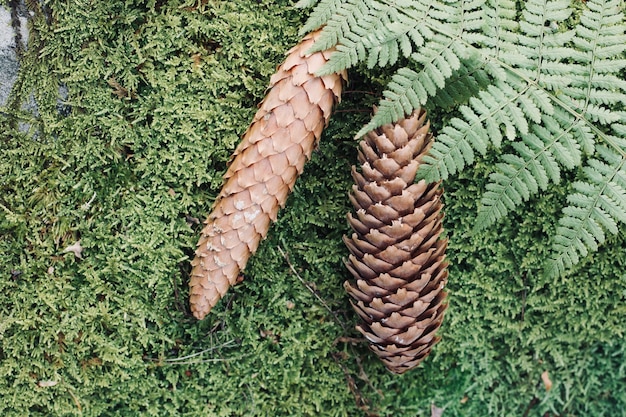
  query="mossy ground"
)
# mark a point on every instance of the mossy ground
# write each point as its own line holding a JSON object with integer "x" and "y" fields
{"x": 159, "y": 94}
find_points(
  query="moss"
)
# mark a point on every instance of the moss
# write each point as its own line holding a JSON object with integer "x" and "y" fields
{"x": 159, "y": 93}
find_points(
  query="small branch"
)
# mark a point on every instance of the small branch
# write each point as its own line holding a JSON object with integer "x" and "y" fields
{"x": 371, "y": 93}
{"x": 184, "y": 360}
{"x": 353, "y": 340}
{"x": 363, "y": 376}
{"x": 524, "y": 279}
{"x": 533, "y": 402}
{"x": 17, "y": 26}
{"x": 211, "y": 360}
{"x": 355, "y": 110}
{"x": 230, "y": 343}
{"x": 3, "y": 207}
{"x": 75, "y": 398}
{"x": 86, "y": 206}
{"x": 293, "y": 270}
{"x": 361, "y": 401}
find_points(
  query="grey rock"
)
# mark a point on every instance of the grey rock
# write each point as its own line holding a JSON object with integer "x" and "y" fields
{"x": 8, "y": 55}
{"x": 13, "y": 38}
{"x": 13, "y": 43}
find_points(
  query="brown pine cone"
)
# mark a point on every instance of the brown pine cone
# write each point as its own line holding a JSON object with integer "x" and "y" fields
{"x": 397, "y": 257}
{"x": 263, "y": 171}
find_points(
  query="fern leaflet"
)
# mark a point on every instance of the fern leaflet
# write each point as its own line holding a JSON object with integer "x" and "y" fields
{"x": 596, "y": 205}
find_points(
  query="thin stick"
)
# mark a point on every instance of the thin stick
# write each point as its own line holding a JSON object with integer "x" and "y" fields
{"x": 203, "y": 361}
{"x": 362, "y": 402}
{"x": 182, "y": 358}
{"x": 345, "y": 339}
{"x": 371, "y": 93}
{"x": 75, "y": 398}
{"x": 354, "y": 110}
{"x": 320, "y": 299}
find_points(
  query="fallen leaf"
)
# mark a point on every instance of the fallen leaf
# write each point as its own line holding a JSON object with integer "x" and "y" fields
{"x": 118, "y": 90}
{"x": 76, "y": 249}
{"x": 197, "y": 60}
{"x": 435, "y": 411}
{"x": 546, "y": 380}
{"x": 191, "y": 220}
{"x": 46, "y": 384}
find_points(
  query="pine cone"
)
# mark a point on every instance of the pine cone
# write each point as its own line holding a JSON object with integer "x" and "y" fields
{"x": 263, "y": 171}
{"x": 396, "y": 256}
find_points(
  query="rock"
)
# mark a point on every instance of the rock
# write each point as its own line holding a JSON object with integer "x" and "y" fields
{"x": 13, "y": 38}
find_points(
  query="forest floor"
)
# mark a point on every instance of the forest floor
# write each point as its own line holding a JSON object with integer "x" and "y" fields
{"x": 103, "y": 187}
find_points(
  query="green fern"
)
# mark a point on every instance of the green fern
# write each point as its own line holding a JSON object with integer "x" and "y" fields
{"x": 544, "y": 84}
{"x": 596, "y": 205}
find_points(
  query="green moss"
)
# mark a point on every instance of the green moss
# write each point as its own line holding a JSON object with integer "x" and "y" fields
{"x": 160, "y": 93}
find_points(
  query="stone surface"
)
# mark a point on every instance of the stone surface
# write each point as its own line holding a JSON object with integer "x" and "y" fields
{"x": 9, "y": 62}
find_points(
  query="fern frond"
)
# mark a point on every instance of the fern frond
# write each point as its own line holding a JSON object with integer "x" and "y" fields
{"x": 524, "y": 174}
{"x": 378, "y": 32}
{"x": 515, "y": 182}
{"x": 497, "y": 112}
{"x": 337, "y": 24}
{"x": 620, "y": 129}
{"x": 305, "y": 4}
{"x": 550, "y": 87}
{"x": 349, "y": 25}
{"x": 464, "y": 83}
{"x": 592, "y": 86}
{"x": 379, "y": 39}
{"x": 411, "y": 89}
{"x": 500, "y": 28}
{"x": 537, "y": 162}
{"x": 567, "y": 148}
{"x": 596, "y": 205}
{"x": 324, "y": 10}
